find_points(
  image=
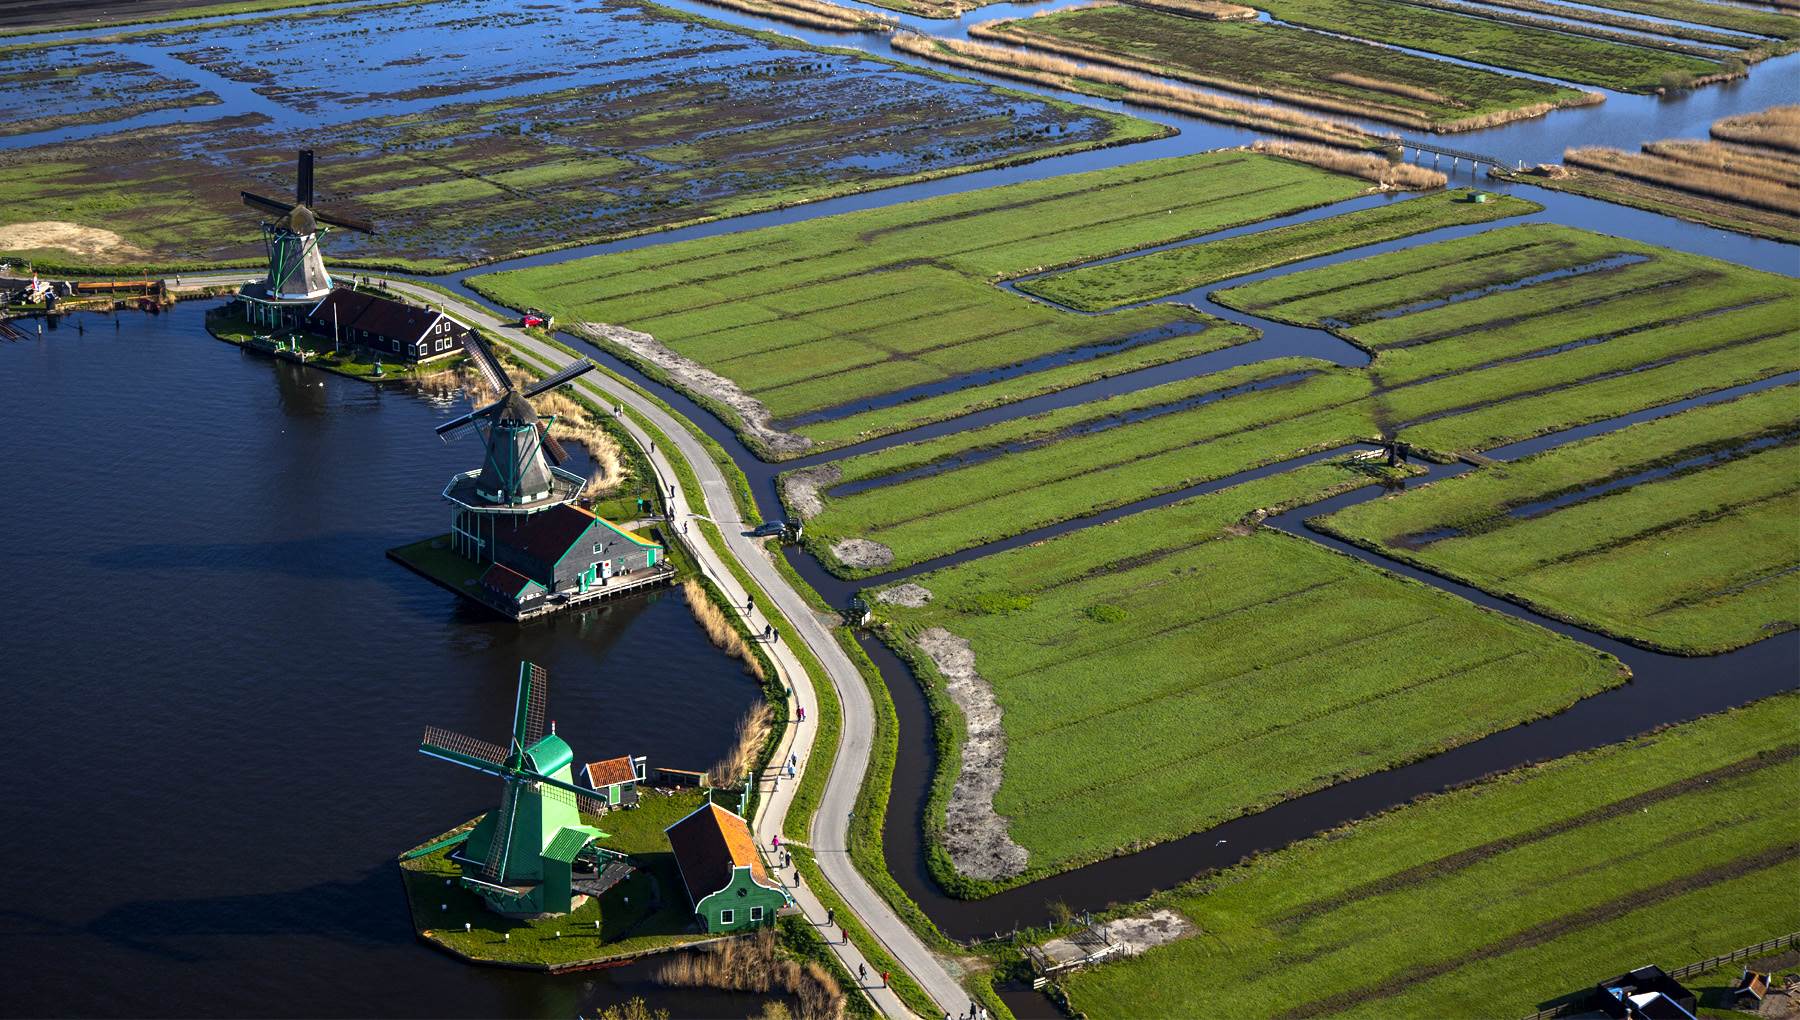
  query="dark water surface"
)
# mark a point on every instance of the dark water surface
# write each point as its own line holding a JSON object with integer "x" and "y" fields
{"x": 215, "y": 685}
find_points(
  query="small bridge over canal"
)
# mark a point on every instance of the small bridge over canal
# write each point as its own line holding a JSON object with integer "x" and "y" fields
{"x": 1419, "y": 148}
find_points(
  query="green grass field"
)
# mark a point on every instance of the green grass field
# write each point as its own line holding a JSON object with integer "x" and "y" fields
{"x": 1522, "y": 330}
{"x": 1700, "y": 560}
{"x": 1554, "y": 54}
{"x": 1499, "y": 898}
{"x": 1169, "y": 671}
{"x": 1063, "y": 468}
{"x": 1159, "y": 274}
{"x": 818, "y": 315}
{"x": 1337, "y": 75}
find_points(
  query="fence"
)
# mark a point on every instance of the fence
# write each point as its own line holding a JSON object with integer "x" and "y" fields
{"x": 1760, "y": 949}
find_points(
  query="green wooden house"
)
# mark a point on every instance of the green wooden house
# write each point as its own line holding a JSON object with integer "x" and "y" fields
{"x": 724, "y": 875}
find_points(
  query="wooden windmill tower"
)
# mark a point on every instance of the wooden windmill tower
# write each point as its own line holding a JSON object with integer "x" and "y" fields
{"x": 520, "y": 473}
{"x": 521, "y": 856}
{"x": 296, "y": 278}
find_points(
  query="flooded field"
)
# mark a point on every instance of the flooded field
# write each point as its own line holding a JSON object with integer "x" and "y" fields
{"x": 498, "y": 130}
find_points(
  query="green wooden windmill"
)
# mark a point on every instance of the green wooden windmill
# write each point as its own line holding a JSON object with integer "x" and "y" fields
{"x": 521, "y": 856}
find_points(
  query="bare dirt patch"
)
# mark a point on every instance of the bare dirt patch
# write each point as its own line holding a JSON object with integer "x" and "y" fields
{"x": 696, "y": 378}
{"x": 861, "y": 553}
{"x": 975, "y": 835}
{"x": 1136, "y": 934}
{"x": 800, "y": 489}
{"x": 88, "y": 242}
{"x": 912, "y": 596}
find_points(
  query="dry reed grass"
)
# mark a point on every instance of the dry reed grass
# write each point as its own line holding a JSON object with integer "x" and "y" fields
{"x": 1778, "y": 127}
{"x": 814, "y": 14}
{"x": 1206, "y": 10}
{"x": 1135, "y": 88}
{"x": 719, "y": 629}
{"x": 752, "y": 730}
{"x": 1390, "y": 175}
{"x": 755, "y": 964}
{"x": 1392, "y": 88}
{"x": 1736, "y": 188}
{"x": 1768, "y": 166}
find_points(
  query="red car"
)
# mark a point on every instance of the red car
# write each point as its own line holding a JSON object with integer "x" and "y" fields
{"x": 535, "y": 318}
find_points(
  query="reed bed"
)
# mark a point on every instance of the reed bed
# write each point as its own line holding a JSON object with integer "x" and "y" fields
{"x": 1589, "y": 29}
{"x": 1206, "y": 10}
{"x": 813, "y": 14}
{"x": 1131, "y": 88}
{"x": 719, "y": 629}
{"x": 1394, "y": 176}
{"x": 753, "y": 730}
{"x": 1741, "y": 189}
{"x": 1393, "y": 88}
{"x": 1778, "y": 127}
{"x": 756, "y": 964}
{"x": 1625, "y": 21}
{"x": 1727, "y": 159}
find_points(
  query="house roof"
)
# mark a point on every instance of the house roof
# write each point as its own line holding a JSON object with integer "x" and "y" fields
{"x": 507, "y": 581}
{"x": 708, "y": 845}
{"x": 602, "y": 774}
{"x": 548, "y": 534}
{"x": 566, "y": 844}
{"x": 382, "y": 316}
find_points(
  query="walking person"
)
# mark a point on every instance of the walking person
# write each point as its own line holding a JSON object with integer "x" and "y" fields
{"x": 796, "y": 878}
{"x": 830, "y": 916}
{"x": 862, "y": 972}
{"x": 884, "y": 979}
{"x": 775, "y": 841}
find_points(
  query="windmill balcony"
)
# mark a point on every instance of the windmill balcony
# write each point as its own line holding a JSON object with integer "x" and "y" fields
{"x": 464, "y": 492}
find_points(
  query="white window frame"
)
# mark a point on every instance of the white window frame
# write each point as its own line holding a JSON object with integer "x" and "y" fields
{"x": 755, "y": 913}
{"x": 727, "y": 916}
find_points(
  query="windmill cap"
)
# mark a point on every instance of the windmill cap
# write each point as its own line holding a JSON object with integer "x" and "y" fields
{"x": 301, "y": 220}
{"x": 549, "y": 754}
{"x": 515, "y": 408}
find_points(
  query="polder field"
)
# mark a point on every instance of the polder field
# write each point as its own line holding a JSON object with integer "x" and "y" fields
{"x": 1497, "y": 899}
{"x": 853, "y": 326}
{"x": 471, "y": 131}
{"x": 1174, "y": 669}
{"x": 1336, "y": 75}
{"x": 1676, "y": 532}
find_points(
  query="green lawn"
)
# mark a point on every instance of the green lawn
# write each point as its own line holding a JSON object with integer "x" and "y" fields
{"x": 817, "y": 315}
{"x": 1169, "y": 671}
{"x": 1700, "y": 560}
{"x": 1337, "y": 75}
{"x": 1554, "y": 54}
{"x": 1159, "y": 274}
{"x": 1499, "y": 898}
{"x": 1062, "y": 466}
{"x": 1521, "y": 330}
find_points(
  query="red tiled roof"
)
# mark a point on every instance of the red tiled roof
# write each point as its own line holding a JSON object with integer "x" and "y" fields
{"x": 602, "y": 774}
{"x": 505, "y": 580}
{"x": 546, "y": 535}
{"x": 708, "y": 844}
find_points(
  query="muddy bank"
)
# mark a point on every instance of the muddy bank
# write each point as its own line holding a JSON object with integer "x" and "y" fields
{"x": 975, "y": 836}
{"x": 800, "y": 489}
{"x": 912, "y": 596}
{"x": 860, "y": 553}
{"x": 710, "y": 386}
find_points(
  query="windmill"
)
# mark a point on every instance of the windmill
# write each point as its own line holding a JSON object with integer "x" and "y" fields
{"x": 520, "y": 856}
{"x": 1397, "y": 449}
{"x": 521, "y": 472}
{"x": 296, "y": 270}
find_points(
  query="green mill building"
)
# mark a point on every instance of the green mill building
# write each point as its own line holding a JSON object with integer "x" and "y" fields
{"x": 724, "y": 875}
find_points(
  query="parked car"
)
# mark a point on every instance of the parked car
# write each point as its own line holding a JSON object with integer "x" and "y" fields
{"x": 537, "y": 318}
{"x": 769, "y": 529}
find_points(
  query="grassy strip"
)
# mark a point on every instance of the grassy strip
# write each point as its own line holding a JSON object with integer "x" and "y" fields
{"x": 187, "y": 13}
{"x": 1709, "y": 558}
{"x": 1159, "y": 274}
{"x": 1534, "y": 50}
{"x": 1741, "y": 19}
{"x": 1274, "y": 61}
{"x": 1286, "y": 698}
{"x": 1545, "y": 880}
{"x": 1661, "y": 198}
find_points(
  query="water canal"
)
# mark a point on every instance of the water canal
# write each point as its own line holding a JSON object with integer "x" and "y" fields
{"x": 216, "y": 684}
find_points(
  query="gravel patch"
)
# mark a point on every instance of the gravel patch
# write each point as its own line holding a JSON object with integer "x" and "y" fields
{"x": 1137, "y": 934}
{"x": 800, "y": 489}
{"x": 910, "y": 595}
{"x": 860, "y": 552}
{"x": 975, "y": 835}
{"x": 694, "y": 377}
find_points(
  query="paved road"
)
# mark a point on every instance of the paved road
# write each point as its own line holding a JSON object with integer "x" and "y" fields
{"x": 828, "y": 837}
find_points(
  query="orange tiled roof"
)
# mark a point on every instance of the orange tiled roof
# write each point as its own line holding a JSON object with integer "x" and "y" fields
{"x": 602, "y": 774}
{"x": 708, "y": 844}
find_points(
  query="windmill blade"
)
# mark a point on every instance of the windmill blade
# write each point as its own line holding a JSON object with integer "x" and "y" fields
{"x": 528, "y": 710}
{"x": 461, "y": 750}
{"x": 360, "y": 226}
{"x": 587, "y": 800}
{"x": 553, "y": 449}
{"x": 303, "y": 179}
{"x": 485, "y": 362}
{"x": 468, "y": 419}
{"x": 267, "y": 205}
{"x": 566, "y": 373}
{"x": 494, "y": 868}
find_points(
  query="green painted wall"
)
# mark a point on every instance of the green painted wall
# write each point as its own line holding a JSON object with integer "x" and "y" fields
{"x": 740, "y": 898}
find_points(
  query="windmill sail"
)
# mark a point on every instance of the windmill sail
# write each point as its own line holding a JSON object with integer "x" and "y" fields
{"x": 485, "y": 363}
{"x": 528, "y": 714}
{"x": 565, "y": 374}
{"x": 494, "y": 868}
{"x": 552, "y": 448}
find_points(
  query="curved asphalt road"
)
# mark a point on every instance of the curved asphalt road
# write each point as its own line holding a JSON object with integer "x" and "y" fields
{"x": 830, "y": 826}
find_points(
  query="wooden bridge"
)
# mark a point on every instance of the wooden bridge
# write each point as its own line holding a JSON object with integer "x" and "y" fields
{"x": 1475, "y": 159}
